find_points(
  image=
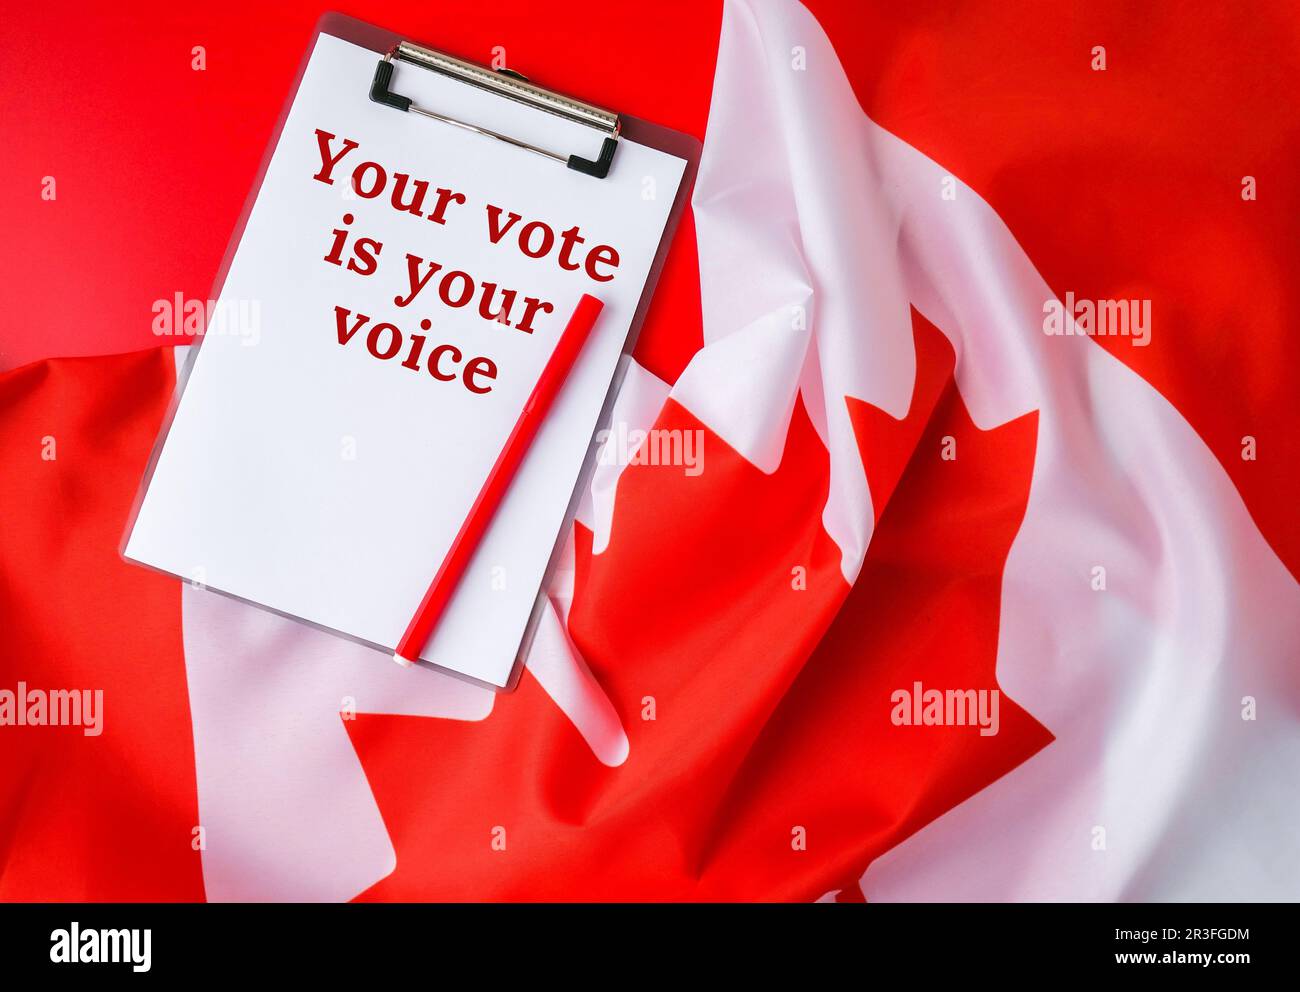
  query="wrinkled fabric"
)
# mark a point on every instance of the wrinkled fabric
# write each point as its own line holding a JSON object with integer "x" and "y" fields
{"x": 886, "y": 202}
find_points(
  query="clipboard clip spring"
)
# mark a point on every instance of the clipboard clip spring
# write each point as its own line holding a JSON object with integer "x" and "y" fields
{"x": 505, "y": 83}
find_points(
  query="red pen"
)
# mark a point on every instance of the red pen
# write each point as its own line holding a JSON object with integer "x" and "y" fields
{"x": 498, "y": 481}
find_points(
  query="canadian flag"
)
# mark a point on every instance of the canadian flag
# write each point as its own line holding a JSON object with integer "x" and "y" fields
{"x": 958, "y": 436}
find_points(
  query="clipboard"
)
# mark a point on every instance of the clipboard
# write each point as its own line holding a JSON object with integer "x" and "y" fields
{"x": 396, "y": 58}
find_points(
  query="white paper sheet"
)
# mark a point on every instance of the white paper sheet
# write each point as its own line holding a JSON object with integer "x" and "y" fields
{"x": 322, "y": 482}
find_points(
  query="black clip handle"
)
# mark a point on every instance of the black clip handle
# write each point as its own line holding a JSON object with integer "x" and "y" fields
{"x": 600, "y": 167}
{"x": 381, "y": 88}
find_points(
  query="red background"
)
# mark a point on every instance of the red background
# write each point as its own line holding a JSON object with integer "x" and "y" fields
{"x": 1119, "y": 184}
{"x": 153, "y": 160}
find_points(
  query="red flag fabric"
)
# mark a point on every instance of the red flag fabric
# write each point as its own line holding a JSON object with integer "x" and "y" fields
{"x": 908, "y": 483}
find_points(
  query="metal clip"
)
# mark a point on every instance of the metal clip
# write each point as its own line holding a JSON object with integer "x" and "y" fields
{"x": 506, "y": 83}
